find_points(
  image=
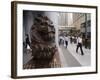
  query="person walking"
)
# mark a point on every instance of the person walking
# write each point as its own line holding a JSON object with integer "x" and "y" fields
{"x": 71, "y": 39}
{"x": 27, "y": 41}
{"x": 79, "y": 41}
{"x": 66, "y": 40}
{"x": 60, "y": 40}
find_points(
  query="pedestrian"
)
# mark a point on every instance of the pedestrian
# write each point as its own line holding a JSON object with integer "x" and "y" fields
{"x": 66, "y": 40}
{"x": 79, "y": 44}
{"x": 71, "y": 39}
{"x": 86, "y": 43}
{"x": 27, "y": 41}
{"x": 75, "y": 40}
{"x": 60, "y": 40}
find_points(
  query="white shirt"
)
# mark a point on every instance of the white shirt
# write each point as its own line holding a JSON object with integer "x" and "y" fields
{"x": 66, "y": 38}
{"x": 61, "y": 38}
{"x": 79, "y": 40}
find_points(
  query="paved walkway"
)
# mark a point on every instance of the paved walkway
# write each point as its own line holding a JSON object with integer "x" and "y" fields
{"x": 84, "y": 60}
{"x": 67, "y": 58}
{"x": 71, "y": 58}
